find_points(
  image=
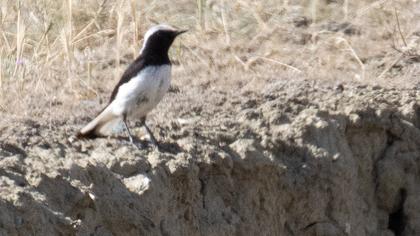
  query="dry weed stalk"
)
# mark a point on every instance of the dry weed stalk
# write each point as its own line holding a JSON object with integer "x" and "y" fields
{"x": 70, "y": 19}
{"x": 346, "y": 9}
{"x": 67, "y": 50}
{"x": 77, "y": 39}
{"x": 280, "y": 63}
{"x": 20, "y": 39}
{"x": 314, "y": 9}
{"x": 256, "y": 13}
{"x": 135, "y": 27}
{"x": 119, "y": 30}
{"x": 399, "y": 27}
{"x": 4, "y": 41}
{"x": 201, "y": 4}
{"x": 1, "y": 70}
{"x": 41, "y": 41}
{"x": 406, "y": 51}
{"x": 349, "y": 48}
{"x": 66, "y": 39}
{"x": 225, "y": 24}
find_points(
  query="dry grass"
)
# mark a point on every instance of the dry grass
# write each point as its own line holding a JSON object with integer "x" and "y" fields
{"x": 57, "y": 55}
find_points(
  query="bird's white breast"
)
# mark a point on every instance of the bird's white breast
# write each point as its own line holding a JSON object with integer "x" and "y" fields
{"x": 143, "y": 92}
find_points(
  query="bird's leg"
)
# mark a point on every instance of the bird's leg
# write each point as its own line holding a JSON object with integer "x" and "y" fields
{"x": 128, "y": 131}
{"x": 152, "y": 137}
{"x": 149, "y": 132}
{"x": 130, "y": 137}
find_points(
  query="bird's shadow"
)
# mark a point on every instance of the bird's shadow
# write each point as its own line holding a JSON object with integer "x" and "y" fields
{"x": 163, "y": 146}
{"x": 169, "y": 147}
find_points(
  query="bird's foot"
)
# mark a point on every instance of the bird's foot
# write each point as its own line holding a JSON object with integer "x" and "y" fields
{"x": 155, "y": 144}
{"x": 135, "y": 142}
{"x": 138, "y": 145}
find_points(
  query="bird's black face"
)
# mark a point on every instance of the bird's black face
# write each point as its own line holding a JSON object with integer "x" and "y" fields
{"x": 160, "y": 41}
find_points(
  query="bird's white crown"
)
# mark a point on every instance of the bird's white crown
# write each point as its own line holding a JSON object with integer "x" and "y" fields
{"x": 153, "y": 30}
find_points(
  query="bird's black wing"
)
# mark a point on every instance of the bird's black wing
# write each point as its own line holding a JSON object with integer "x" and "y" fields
{"x": 133, "y": 69}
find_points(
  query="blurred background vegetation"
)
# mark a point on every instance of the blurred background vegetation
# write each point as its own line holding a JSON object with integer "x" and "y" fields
{"x": 56, "y": 54}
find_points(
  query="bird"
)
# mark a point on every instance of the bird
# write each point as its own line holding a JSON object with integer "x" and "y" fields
{"x": 141, "y": 87}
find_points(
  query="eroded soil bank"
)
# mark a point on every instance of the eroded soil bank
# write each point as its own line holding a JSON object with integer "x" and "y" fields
{"x": 297, "y": 159}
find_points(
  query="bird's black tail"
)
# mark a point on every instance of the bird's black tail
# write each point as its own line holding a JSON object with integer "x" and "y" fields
{"x": 89, "y": 135}
{"x": 102, "y": 125}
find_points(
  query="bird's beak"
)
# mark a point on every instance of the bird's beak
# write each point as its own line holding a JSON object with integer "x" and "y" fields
{"x": 180, "y": 32}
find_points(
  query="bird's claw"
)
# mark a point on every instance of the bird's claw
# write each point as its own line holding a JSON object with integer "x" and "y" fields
{"x": 138, "y": 145}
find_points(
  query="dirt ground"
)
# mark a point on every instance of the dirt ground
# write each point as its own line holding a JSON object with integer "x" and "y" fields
{"x": 300, "y": 158}
{"x": 291, "y": 118}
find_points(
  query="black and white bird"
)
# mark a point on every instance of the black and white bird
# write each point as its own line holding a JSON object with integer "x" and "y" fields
{"x": 140, "y": 89}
